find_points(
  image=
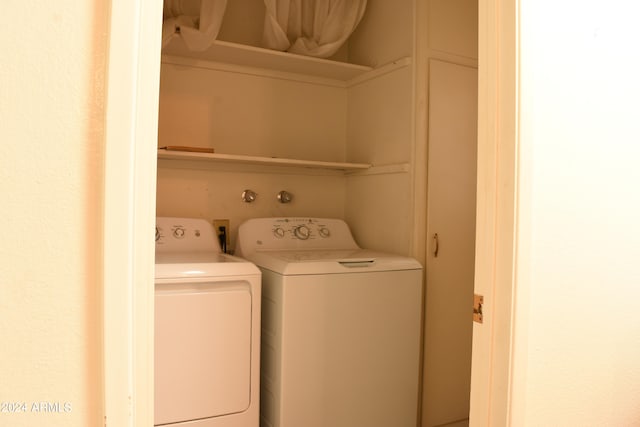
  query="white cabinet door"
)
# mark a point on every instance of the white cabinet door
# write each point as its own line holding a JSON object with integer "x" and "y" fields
{"x": 451, "y": 216}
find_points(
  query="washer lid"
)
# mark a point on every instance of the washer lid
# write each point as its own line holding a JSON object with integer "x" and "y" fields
{"x": 180, "y": 265}
{"x": 331, "y": 261}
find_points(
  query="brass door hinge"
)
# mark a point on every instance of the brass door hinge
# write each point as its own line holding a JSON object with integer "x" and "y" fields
{"x": 478, "y": 301}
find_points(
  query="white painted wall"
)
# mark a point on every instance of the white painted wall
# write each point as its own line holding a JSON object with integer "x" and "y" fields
{"x": 52, "y": 132}
{"x": 453, "y": 27}
{"x": 380, "y": 118}
{"x": 237, "y": 113}
{"x": 191, "y": 189}
{"x": 244, "y": 113}
{"x": 243, "y": 22}
{"x": 247, "y": 113}
{"x": 378, "y": 209}
{"x": 380, "y": 130}
{"x": 577, "y": 336}
{"x": 384, "y": 34}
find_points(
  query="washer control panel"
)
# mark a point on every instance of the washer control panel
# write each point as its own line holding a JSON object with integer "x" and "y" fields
{"x": 301, "y": 228}
{"x": 185, "y": 235}
{"x": 293, "y": 233}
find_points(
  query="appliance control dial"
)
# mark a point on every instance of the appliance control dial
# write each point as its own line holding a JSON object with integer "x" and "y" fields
{"x": 178, "y": 232}
{"x": 157, "y": 234}
{"x": 279, "y": 232}
{"x": 324, "y": 232}
{"x": 302, "y": 232}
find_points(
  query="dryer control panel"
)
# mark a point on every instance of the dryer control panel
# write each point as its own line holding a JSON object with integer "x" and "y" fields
{"x": 185, "y": 235}
{"x": 293, "y": 233}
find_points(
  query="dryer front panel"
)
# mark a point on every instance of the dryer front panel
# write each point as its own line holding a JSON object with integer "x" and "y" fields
{"x": 202, "y": 350}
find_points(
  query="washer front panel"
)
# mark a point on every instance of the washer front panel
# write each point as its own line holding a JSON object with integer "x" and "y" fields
{"x": 341, "y": 350}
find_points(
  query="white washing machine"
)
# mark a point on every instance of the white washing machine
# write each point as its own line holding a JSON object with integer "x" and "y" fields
{"x": 207, "y": 330}
{"x": 340, "y": 326}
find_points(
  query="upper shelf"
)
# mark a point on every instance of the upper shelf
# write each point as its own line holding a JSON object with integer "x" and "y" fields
{"x": 257, "y": 160}
{"x": 251, "y": 56}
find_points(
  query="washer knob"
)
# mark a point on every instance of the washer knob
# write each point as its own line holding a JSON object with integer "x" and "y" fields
{"x": 302, "y": 232}
{"x": 157, "y": 234}
{"x": 178, "y": 233}
{"x": 278, "y": 232}
{"x": 324, "y": 232}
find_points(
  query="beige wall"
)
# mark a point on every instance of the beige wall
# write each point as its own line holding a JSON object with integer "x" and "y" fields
{"x": 52, "y": 132}
{"x": 577, "y": 337}
{"x": 384, "y": 34}
{"x": 453, "y": 27}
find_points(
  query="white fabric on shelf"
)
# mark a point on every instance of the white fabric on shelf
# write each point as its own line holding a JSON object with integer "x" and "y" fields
{"x": 310, "y": 27}
{"x": 199, "y": 21}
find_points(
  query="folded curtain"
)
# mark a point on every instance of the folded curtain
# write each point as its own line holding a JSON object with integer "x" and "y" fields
{"x": 310, "y": 27}
{"x": 197, "y": 22}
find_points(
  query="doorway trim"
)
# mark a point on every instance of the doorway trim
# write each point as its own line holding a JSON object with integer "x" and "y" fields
{"x": 498, "y": 139}
{"x": 133, "y": 73}
{"x": 129, "y": 210}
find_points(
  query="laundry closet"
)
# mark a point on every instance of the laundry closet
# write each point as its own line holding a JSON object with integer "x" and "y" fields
{"x": 346, "y": 137}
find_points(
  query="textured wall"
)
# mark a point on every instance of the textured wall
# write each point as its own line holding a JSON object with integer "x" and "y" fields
{"x": 52, "y": 131}
{"x": 577, "y": 342}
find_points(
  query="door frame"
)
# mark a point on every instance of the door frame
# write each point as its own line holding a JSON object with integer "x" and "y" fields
{"x": 131, "y": 123}
{"x": 129, "y": 211}
{"x": 497, "y": 192}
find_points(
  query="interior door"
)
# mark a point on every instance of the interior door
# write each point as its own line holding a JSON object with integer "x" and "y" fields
{"x": 451, "y": 232}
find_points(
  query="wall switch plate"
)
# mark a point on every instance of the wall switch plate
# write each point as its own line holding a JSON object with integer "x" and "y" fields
{"x": 478, "y": 302}
{"x": 217, "y": 223}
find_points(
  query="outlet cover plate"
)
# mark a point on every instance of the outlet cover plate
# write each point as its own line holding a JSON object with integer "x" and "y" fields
{"x": 217, "y": 223}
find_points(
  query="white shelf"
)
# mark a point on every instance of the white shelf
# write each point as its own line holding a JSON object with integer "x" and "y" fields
{"x": 255, "y": 57}
{"x": 264, "y": 161}
{"x": 234, "y": 57}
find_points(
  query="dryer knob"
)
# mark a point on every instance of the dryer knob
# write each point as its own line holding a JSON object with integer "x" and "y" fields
{"x": 278, "y": 232}
{"x": 178, "y": 232}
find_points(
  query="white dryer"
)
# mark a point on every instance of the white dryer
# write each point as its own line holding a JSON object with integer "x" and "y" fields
{"x": 340, "y": 326}
{"x": 207, "y": 330}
